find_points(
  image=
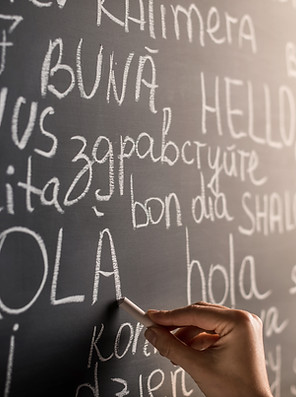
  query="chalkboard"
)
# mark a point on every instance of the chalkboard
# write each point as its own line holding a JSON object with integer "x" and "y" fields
{"x": 147, "y": 149}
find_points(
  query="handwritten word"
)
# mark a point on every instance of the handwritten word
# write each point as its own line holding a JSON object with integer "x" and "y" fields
{"x": 147, "y": 383}
{"x": 35, "y": 116}
{"x": 275, "y": 136}
{"x": 209, "y": 204}
{"x": 247, "y": 274}
{"x": 268, "y": 213}
{"x": 154, "y": 209}
{"x": 22, "y": 234}
{"x": 126, "y": 341}
{"x": 53, "y": 67}
{"x": 240, "y": 28}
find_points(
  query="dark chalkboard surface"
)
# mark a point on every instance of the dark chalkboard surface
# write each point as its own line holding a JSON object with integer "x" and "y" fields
{"x": 147, "y": 149}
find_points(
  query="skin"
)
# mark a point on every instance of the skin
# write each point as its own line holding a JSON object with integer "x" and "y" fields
{"x": 221, "y": 348}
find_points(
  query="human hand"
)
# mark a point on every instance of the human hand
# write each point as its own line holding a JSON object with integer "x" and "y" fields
{"x": 221, "y": 348}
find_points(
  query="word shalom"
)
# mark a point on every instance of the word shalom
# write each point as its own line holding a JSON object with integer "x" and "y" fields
{"x": 268, "y": 213}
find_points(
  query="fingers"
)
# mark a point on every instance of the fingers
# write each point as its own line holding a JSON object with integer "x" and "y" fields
{"x": 201, "y": 303}
{"x": 171, "y": 347}
{"x": 204, "y": 341}
{"x": 204, "y": 316}
{"x": 186, "y": 334}
{"x": 191, "y": 358}
{"x": 196, "y": 338}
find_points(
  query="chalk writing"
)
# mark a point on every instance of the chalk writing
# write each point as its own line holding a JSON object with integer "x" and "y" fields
{"x": 10, "y": 361}
{"x": 274, "y": 366}
{"x": 148, "y": 149}
{"x": 285, "y": 132}
{"x": 272, "y": 323}
{"x": 144, "y": 62}
{"x": 9, "y": 233}
{"x": 247, "y": 271}
{"x": 5, "y": 44}
{"x": 269, "y": 213}
{"x": 293, "y": 278}
{"x": 240, "y": 29}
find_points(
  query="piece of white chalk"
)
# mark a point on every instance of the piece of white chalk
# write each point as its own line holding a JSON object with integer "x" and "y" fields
{"x": 135, "y": 311}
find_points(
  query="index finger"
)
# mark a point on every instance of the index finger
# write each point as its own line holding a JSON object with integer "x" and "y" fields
{"x": 207, "y": 317}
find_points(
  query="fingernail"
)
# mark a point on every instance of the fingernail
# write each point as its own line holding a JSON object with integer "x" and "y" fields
{"x": 151, "y": 336}
{"x": 156, "y": 312}
{"x": 152, "y": 311}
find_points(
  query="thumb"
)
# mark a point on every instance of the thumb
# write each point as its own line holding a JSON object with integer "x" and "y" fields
{"x": 203, "y": 341}
{"x": 172, "y": 348}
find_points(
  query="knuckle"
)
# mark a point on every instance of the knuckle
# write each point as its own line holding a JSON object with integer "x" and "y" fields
{"x": 199, "y": 303}
{"x": 247, "y": 320}
{"x": 257, "y": 321}
{"x": 242, "y": 317}
{"x": 193, "y": 306}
